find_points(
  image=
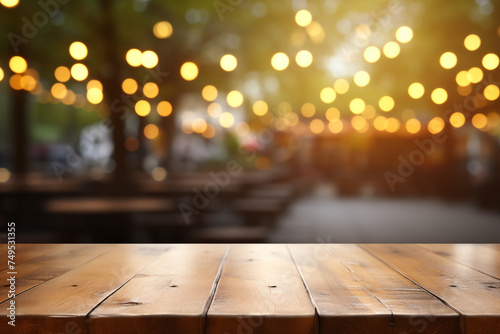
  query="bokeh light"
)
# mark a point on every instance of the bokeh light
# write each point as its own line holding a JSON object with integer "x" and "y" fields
{"x": 393, "y": 125}
{"x": 457, "y": 119}
{"x": 228, "y": 62}
{"x": 79, "y": 72}
{"x": 62, "y": 74}
{"x": 328, "y": 95}
{"x": 199, "y": 125}
{"x": 149, "y": 59}
{"x": 416, "y": 90}
{"x": 78, "y": 50}
{"x": 1, "y": 74}
{"x": 332, "y": 113}
{"x": 475, "y": 74}
{"x": 94, "y": 84}
{"x": 58, "y": 90}
{"x": 404, "y": 34}
{"x": 163, "y": 29}
{"x": 15, "y": 82}
{"x": 129, "y": 86}
{"x": 341, "y": 86}
{"x": 94, "y": 95}
{"x": 386, "y": 103}
{"x": 413, "y": 125}
{"x": 435, "y": 125}
{"x": 151, "y": 131}
{"x": 491, "y": 92}
{"x": 308, "y": 109}
{"x": 462, "y": 78}
{"x": 234, "y": 99}
{"x": 142, "y": 108}
{"x": 391, "y": 50}
{"x": 361, "y": 78}
{"x": 260, "y": 108}
{"x": 439, "y": 96}
{"x": 371, "y": 54}
{"x": 280, "y": 61}
{"x": 357, "y": 106}
{"x": 18, "y": 64}
{"x": 4, "y": 175}
{"x": 490, "y": 61}
{"x": 209, "y": 93}
{"x": 380, "y": 123}
{"x": 164, "y": 108}
{"x": 479, "y": 121}
{"x": 226, "y": 120}
{"x": 9, "y": 3}
{"x": 472, "y": 42}
{"x": 303, "y": 17}
{"x": 189, "y": 71}
{"x": 335, "y": 126}
{"x": 159, "y": 174}
{"x": 448, "y": 60}
{"x": 214, "y": 110}
{"x": 134, "y": 57}
{"x": 304, "y": 58}
{"x": 316, "y": 126}
{"x": 359, "y": 124}
{"x": 150, "y": 90}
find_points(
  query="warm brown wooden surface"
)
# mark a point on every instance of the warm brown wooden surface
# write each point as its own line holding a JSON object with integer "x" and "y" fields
{"x": 355, "y": 292}
{"x": 476, "y": 296}
{"x": 171, "y": 295}
{"x": 222, "y": 289}
{"x": 261, "y": 291}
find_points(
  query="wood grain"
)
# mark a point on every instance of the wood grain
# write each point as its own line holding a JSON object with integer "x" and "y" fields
{"x": 484, "y": 258}
{"x": 260, "y": 291}
{"x": 50, "y": 265}
{"x": 66, "y": 300}
{"x": 474, "y": 295}
{"x": 355, "y": 293}
{"x": 26, "y": 252}
{"x": 169, "y": 296}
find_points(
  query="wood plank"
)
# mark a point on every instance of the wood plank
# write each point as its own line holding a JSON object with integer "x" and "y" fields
{"x": 26, "y": 252}
{"x": 169, "y": 296}
{"x": 260, "y": 291}
{"x": 355, "y": 293}
{"x": 481, "y": 257}
{"x": 52, "y": 264}
{"x": 475, "y": 295}
{"x": 66, "y": 300}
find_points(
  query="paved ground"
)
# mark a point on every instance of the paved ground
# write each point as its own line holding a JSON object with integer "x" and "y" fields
{"x": 324, "y": 217}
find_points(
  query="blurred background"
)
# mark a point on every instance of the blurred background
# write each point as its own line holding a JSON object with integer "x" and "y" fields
{"x": 250, "y": 120}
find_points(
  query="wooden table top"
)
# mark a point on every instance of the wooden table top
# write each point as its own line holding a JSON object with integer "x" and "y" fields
{"x": 259, "y": 288}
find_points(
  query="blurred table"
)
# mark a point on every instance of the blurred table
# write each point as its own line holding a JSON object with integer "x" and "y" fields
{"x": 259, "y": 288}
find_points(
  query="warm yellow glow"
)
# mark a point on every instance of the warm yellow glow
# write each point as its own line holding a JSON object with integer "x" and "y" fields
{"x": 226, "y": 120}
{"x": 189, "y": 71}
{"x": 357, "y": 106}
{"x": 479, "y": 121}
{"x": 391, "y": 50}
{"x": 490, "y": 61}
{"x": 472, "y": 42}
{"x": 404, "y": 34}
{"x": 436, "y": 125}
{"x": 17, "y": 64}
{"x": 79, "y": 72}
{"x": 416, "y": 90}
{"x": 149, "y": 59}
{"x": 493, "y": 120}
{"x": 439, "y": 96}
{"x": 62, "y": 74}
{"x": 304, "y": 58}
{"x": 361, "y": 78}
{"x": 413, "y": 125}
{"x": 28, "y": 82}
{"x": 308, "y": 109}
{"x": 462, "y": 78}
{"x": 209, "y": 132}
{"x": 94, "y": 84}
{"x": 159, "y": 174}
{"x": 234, "y": 98}
{"x": 369, "y": 112}
{"x": 228, "y": 62}
{"x": 380, "y": 123}
{"x": 448, "y": 60}
{"x": 1, "y": 74}
{"x": 393, "y": 124}
{"x": 491, "y": 92}
{"x": 164, "y": 108}
{"x": 209, "y": 93}
{"x": 371, "y": 54}
{"x": 316, "y": 32}
{"x": 341, "y": 86}
{"x": 386, "y": 103}
{"x": 4, "y": 173}
{"x": 163, "y": 29}
{"x": 408, "y": 114}
{"x": 335, "y": 126}
{"x": 475, "y": 75}
{"x": 150, "y": 90}
{"x": 214, "y": 110}
{"x": 260, "y": 108}
{"x": 457, "y": 119}
{"x": 242, "y": 129}
{"x": 94, "y": 95}
{"x": 58, "y": 90}
{"x": 151, "y": 131}
{"x": 78, "y": 50}
{"x": 359, "y": 124}
{"x": 15, "y": 82}
{"x": 142, "y": 108}
{"x": 187, "y": 127}
{"x": 199, "y": 125}
{"x": 332, "y": 114}
{"x": 129, "y": 86}
{"x": 317, "y": 126}
{"x": 303, "y": 17}
{"x": 9, "y": 3}
{"x": 328, "y": 95}
{"x": 464, "y": 91}
{"x": 280, "y": 61}
{"x": 134, "y": 57}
